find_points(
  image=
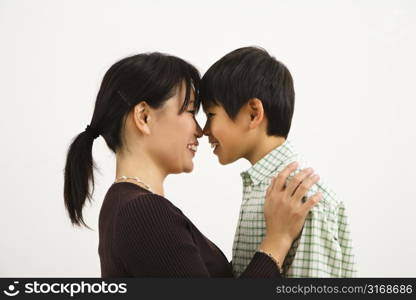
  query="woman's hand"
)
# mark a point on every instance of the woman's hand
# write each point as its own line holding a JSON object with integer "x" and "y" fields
{"x": 284, "y": 211}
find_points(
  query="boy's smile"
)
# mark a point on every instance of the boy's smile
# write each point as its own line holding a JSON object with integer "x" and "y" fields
{"x": 244, "y": 137}
{"x": 225, "y": 135}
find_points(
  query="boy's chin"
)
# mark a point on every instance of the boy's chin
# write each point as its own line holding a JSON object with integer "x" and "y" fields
{"x": 224, "y": 160}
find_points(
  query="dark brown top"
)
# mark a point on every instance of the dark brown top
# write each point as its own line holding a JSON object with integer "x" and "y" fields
{"x": 142, "y": 234}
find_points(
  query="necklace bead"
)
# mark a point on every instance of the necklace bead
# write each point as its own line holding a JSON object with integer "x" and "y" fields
{"x": 135, "y": 178}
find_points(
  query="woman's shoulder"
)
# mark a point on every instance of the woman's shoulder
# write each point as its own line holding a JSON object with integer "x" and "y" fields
{"x": 136, "y": 201}
{"x": 143, "y": 216}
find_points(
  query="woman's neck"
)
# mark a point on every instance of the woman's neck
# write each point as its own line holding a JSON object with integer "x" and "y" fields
{"x": 141, "y": 166}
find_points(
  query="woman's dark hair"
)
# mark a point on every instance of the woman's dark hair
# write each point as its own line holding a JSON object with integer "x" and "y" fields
{"x": 247, "y": 73}
{"x": 150, "y": 77}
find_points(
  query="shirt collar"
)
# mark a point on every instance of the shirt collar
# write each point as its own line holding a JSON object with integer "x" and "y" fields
{"x": 267, "y": 166}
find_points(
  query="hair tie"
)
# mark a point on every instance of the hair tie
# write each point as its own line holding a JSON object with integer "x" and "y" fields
{"x": 92, "y": 132}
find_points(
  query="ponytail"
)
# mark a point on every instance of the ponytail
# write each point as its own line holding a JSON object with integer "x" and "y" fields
{"x": 78, "y": 175}
{"x": 151, "y": 77}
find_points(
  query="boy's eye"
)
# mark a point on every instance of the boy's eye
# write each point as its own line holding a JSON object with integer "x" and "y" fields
{"x": 192, "y": 112}
{"x": 210, "y": 115}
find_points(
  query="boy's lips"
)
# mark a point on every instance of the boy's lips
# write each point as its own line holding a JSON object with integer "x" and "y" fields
{"x": 213, "y": 143}
{"x": 215, "y": 146}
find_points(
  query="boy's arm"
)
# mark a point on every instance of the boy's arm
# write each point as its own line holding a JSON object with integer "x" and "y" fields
{"x": 348, "y": 267}
{"x": 324, "y": 248}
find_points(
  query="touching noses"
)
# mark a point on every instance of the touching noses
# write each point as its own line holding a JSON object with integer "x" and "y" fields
{"x": 205, "y": 131}
{"x": 198, "y": 132}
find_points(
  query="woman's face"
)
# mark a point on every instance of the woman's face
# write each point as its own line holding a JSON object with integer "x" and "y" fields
{"x": 174, "y": 136}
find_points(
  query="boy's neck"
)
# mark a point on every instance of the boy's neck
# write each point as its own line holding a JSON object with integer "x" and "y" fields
{"x": 264, "y": 146}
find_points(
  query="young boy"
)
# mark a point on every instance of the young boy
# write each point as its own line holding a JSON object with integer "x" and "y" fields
{"x": 248, "y": 97}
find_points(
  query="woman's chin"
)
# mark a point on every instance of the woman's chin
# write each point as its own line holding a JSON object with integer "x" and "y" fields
{"x": 189, "y": 169}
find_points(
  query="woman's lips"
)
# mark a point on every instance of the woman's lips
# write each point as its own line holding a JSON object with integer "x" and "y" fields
{"x": 193, "y": 148}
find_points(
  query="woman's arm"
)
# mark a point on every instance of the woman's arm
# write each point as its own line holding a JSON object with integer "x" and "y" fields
{"x": 153, "y": 241}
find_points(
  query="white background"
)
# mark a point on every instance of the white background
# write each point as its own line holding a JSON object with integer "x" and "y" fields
{"x": 353, "y": 64}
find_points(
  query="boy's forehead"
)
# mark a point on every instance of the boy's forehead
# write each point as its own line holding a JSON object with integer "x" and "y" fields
{"x": 210, "y": 106}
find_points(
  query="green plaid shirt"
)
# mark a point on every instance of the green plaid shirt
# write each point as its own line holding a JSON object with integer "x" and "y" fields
{"x": 322, "y": 250}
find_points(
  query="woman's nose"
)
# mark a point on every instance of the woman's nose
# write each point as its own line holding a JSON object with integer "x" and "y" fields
{"x": 199, "y": 132}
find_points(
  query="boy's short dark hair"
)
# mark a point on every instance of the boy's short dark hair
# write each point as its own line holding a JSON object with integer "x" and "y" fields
{"x": 247, "y": 73}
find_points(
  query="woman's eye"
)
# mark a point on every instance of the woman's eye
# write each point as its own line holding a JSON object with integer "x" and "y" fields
{"x": 192, "y": 112}
{"x": 210, "y": 115}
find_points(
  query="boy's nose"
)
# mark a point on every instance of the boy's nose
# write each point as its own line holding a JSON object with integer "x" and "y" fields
{"x": 205, "y": 131}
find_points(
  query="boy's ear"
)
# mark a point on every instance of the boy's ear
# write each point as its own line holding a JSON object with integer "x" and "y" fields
{"x": 141, "y": 117}
{"x": 256, "y": 112}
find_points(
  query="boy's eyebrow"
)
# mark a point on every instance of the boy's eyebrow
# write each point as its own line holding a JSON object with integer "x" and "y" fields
{"x": 206, "y": 108}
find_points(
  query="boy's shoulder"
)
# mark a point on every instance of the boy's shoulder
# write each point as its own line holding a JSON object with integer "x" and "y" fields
{"x": 330, "y": 201}
{"x": 279, "y": 158}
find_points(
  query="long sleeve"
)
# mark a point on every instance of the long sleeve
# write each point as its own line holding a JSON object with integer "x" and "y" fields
{"x": 261, "y": 266}
{"x": 348, "y": 268}
{"x": 153, "y": 239}
{"x": 324, "y": 248}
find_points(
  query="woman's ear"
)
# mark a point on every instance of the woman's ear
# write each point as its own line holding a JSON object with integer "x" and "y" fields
{"x": 256, "y": 112}
{"x": 141, "y": 117}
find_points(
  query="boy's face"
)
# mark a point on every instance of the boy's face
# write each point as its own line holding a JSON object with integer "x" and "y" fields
{"x": 225, "y": 135}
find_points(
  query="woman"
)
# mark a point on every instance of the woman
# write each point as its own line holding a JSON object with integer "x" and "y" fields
{"x": 145, "y": 111}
